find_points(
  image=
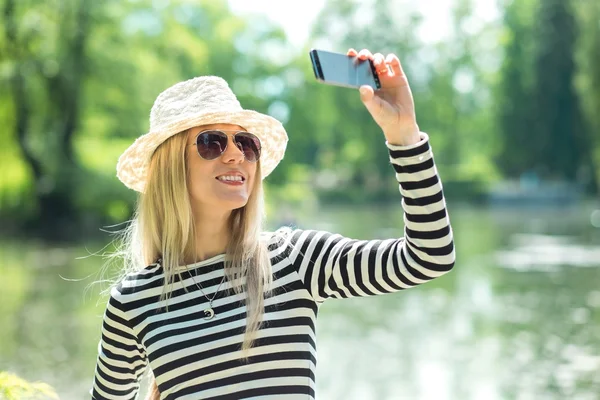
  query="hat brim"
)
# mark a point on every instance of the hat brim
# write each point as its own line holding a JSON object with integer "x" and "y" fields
{"x": 132, "y": 167}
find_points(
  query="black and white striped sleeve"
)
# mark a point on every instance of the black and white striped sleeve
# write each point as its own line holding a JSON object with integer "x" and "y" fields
{"x": 331, "y": 265}
{"x": 121, "y": 359}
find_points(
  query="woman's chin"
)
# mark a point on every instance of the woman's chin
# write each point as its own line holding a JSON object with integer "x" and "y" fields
{"x": 233, "y": 202}
{"x": 222, "y": 200}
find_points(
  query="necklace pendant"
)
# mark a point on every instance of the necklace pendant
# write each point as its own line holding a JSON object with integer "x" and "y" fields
{"x": 209, "y": 314}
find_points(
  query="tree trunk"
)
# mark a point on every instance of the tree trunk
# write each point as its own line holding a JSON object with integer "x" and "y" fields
{"x": 17, "y": 85}
{"x": 54, "y": 180}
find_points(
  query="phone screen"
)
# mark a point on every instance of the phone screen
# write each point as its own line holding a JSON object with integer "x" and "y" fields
{"x": 341, "y": 70}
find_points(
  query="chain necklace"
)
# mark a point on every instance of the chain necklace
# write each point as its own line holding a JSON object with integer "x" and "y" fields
{"x": 209, "y": 313}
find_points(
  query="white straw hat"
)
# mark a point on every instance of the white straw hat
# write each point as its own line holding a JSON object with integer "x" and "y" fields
{"x": 199, "y": 101}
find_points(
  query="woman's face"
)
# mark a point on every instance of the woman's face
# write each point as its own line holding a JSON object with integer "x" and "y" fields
{"x": 208, "y": 188}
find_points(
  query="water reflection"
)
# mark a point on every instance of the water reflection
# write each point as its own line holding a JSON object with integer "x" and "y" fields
{"x": 519, "y": 317}
{"x": 547, "y": 253}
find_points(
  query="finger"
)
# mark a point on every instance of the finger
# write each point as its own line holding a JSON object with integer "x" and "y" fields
{"x": 379, "y": 63}
{"x": 378, "y": 59}
{"x": 364, "y": 54}
{"x": 351, "y": 52}
{"x": 394, "y": 62}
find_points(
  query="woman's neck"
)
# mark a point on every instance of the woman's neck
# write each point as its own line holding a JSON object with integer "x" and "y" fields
{"x": 212, "y": 235}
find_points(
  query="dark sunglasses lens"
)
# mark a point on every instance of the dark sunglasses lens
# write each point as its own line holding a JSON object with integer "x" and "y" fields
{"x": 211, "y": 144}
{"x": 249, "y": 144}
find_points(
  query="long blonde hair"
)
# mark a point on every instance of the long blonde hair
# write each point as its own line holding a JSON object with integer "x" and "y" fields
{"x": 163, "y": 228}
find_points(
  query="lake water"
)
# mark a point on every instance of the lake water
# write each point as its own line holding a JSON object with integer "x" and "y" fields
{"x": 518, "y": 318}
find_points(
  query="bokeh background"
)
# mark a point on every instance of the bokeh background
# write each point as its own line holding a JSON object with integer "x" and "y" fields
{"x": 509, "y": 92}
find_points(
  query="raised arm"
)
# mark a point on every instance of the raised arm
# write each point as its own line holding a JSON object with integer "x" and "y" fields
{"x": 331, "y": 265}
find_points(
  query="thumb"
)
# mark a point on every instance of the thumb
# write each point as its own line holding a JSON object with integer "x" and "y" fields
{"x": 371, "y": 102}
{"x": 366, "y": 93}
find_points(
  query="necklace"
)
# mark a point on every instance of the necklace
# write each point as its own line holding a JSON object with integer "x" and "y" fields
{"x": 209, "y": 313}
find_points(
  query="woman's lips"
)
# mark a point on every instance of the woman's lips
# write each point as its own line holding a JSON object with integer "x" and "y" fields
{"x": 232, "y": 183}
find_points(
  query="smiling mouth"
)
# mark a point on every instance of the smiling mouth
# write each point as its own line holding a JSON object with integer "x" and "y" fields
{"x": 236, "y": 179}
{"x": 231, "y": 180}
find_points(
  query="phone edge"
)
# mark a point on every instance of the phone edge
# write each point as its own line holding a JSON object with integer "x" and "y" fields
{"x": 375, "y": 76}
{"x": 314, "y": 58}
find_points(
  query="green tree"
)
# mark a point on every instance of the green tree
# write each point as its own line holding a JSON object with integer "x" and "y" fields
{"x": 47, "y": 62}
{"x": 514, "y": 94}
{"x": 459, "y": 101}
{"x": 81, "y": 77}
{"x": 588, "y": 78}
{"x": 559, "y": 130}
{"x": 540, "y": 113}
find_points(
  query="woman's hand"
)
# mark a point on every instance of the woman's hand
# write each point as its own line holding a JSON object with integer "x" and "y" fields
{"x": 392, "y": 107}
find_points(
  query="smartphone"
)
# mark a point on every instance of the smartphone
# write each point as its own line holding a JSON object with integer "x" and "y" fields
{"x": 342, "y": 70}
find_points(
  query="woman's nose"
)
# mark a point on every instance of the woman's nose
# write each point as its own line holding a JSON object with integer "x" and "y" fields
{"x": 232, "y": 153}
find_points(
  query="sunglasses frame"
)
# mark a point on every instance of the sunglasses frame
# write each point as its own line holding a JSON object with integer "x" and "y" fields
{"x": 232, "y": 135}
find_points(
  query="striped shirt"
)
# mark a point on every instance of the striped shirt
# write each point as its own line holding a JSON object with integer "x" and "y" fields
{"x": 194, "y": 358}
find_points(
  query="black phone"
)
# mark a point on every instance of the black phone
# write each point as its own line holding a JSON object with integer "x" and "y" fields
{"x": 343, "y": 70}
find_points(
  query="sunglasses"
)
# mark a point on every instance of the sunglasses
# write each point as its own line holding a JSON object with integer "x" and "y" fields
{"x": 212, "y": 143}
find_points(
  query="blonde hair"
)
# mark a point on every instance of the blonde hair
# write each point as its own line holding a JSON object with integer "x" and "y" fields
{"x": 163, "y": 228}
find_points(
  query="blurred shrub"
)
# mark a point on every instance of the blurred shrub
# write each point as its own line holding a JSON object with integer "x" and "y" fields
{"x": 14, "y": 388}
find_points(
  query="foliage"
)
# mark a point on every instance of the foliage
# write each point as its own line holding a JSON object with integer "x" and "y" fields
{"x": 587, "y": 81}
{"x": 499, "y": 100}
{"x": 14, "y": 388}
{"x": 537, "y": 91}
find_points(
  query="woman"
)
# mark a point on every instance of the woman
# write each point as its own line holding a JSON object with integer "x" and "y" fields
{"x": 219, "y": 309}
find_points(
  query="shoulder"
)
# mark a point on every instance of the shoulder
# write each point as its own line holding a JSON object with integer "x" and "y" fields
{"x": 288, "y": 237}
{"x": 278, "y": 237}
{"x": 135, "y": 283}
